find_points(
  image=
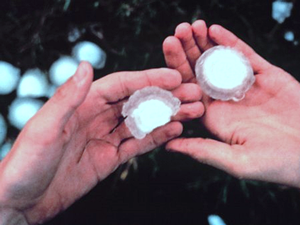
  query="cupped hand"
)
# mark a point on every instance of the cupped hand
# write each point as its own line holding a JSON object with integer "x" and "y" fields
{"x": 258, "y": 137}
{"x": 77, "y": 140}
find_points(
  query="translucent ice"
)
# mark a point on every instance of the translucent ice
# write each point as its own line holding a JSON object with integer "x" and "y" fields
{"x": 3, "y": 129}
{"x": 149, "y": 108}
{"x": 281, "y": 10}
{"x": 33, "y": 84}
{"x": 224, "y": 73}
{"x": 62, "y": 69}
{"x": 21, "y": 110}
{"x": 88, "y": 51}
{"x": 9, "y": 77}
{"x": 215, "y": 220}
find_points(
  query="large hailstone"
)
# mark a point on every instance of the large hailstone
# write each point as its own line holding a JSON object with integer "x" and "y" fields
{"x": 9, "y": 77}
{"x": 21, "y": 110}
{"x": 90, "y": 52}
{"x": 62, "y": 69}
{"x": 224, "y": 73}
{"x": 3, "y": 129}
{"x": 33, "y": 84}
{"x": 149, "y": 108}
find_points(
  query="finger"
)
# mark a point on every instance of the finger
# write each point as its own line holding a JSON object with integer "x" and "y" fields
{"x": 199, "y": 29}
{"x": 189, "y": 111}
{"x": 159, "y": 136}
{"x": 185, "y": 34}
{"x": 224, "y": 37}
{"x": 220, "y": 155}
{"x": 120, "y": 85}
{"x": 118, "y": 135}
{"x": 56, "y": 112}
{"x": 188, "y": 92}
{"x": 176, "y": 58}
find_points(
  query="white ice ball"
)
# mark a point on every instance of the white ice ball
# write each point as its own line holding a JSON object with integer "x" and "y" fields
{"x": 90, "y": 52}
{"x": 224, "y": 73}
{"x": 22, "y": 109}
{"x": 33, "y": 84}
{"x": 149, "y": 108}
{"x": 62, "y": 69}
{"x": 3, "y": 129}
{"x": 9, "y": 77}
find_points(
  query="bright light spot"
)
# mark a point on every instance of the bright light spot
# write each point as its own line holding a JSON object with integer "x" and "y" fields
{"x": 281, "y": 10}
{"x": 9, "y": 77}
{"x": 215, "y": 220}
{"x": 4, "y": 150}
{"x": 3, "y": 129}
{"x": 224, "y": 73}
{"x": 151, "y": 114}
{"x": 88, "y": 51}
{"x": 62, "y": 69}
{"x": 33, "y": 84}
{"x": 224, "y": 69}
{"x": 149, "y": 108}
{"x": 21, "y": 110}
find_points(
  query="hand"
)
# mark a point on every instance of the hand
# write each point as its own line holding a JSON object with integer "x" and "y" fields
{"x": 259, "y": 137}
{"x": 74, "y": 141}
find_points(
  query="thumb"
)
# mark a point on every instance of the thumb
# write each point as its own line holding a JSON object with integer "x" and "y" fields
{"x": 57, "y": 111}
{"x": 223, "y": 156}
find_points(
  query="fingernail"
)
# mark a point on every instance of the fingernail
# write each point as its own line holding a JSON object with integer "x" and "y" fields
{"x": 80, "y": 74}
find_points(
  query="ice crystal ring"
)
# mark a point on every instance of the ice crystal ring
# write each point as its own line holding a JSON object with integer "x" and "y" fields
{"x": 149, "y": 108}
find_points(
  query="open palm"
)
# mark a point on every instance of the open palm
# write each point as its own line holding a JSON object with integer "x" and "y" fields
{"x": 259, "y": 137}
{"x": 77, "y": 139}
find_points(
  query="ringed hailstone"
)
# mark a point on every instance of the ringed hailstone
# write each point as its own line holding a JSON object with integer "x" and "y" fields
{"x": 33, "y": 84}
{"x": 90, "y": 52}
{"x": 149, "y": 108}
{"x": 224, "y": 73}
{"x": 62, "y": 69}
{"x": 3, "y": 129}
{"x": 9, "y": 78}
{"x": 21, "y": 110}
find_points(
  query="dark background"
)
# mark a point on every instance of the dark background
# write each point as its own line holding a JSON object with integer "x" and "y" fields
{"x": 161, "y": 187}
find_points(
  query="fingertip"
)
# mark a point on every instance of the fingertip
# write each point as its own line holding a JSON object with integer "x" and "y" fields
{"x": 84, "y": 74}
{"x": 214, "y": 31}
{"x": 174, "y": 130}
{"x": 169, "y": 43}
{"x": 198, "y": 24}
{"x": 175, "y": 77}
{"x": 182, "y": 29}
{"x": 174, "y": 145}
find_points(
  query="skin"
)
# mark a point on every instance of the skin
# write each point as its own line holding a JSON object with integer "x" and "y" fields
{"x": 256, "y": 138}
{"x": 75, "y": 141}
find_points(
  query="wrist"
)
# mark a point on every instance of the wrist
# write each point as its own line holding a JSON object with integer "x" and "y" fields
{"x": 11, "y": 217}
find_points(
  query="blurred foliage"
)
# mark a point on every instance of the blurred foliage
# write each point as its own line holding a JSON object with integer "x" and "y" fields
{"x": 163, "y": 188}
